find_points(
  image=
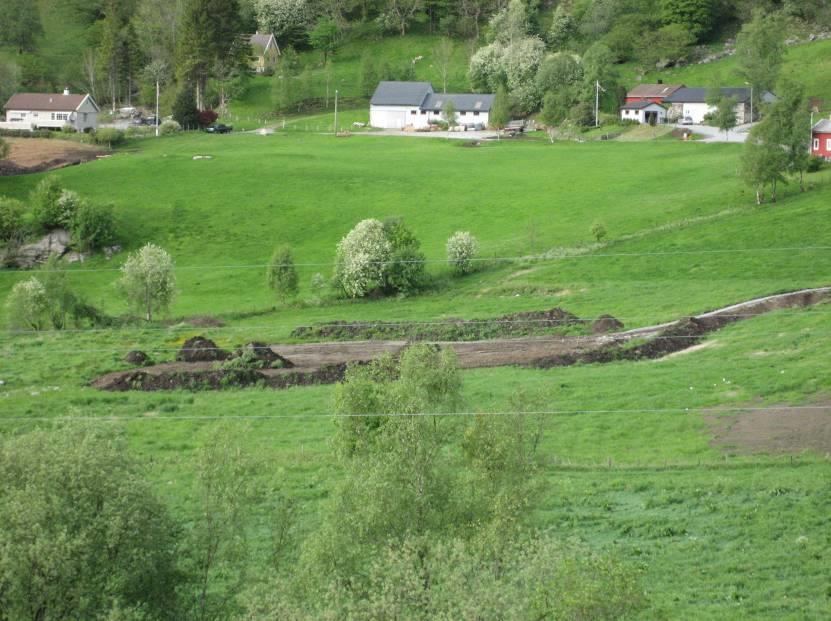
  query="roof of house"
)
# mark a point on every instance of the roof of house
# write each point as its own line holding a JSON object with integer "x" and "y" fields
{"x": 401, "y": 93}
{"x": 699, "y": 95}
{"x": 639, "y": 105}
{"x": 824, "y": 126}
{"x": 56, "y": 102}
{"x": 654, "y": 90}
{"x": 462, "y": 102}
{"x": 262, "y": 40}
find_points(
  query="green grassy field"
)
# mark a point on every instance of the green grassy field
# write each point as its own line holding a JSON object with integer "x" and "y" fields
{"x": 629, "y": 458}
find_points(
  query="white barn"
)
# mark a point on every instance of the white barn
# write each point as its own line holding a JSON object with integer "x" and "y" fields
{"x": 51, "y": 111}
{"x": 644, "y": 112}
{"x": 396, "y": 105}
{"x": 691, "y": 103}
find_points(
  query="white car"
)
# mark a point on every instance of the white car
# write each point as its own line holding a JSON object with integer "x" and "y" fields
{"x": 687, "y": 120}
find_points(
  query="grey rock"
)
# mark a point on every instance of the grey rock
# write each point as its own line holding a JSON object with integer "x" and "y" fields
{"x": 30, "y": 255}
{"x": 76, "y": 257}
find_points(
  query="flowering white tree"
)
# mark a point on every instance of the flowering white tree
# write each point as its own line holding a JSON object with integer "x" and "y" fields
{"x": 515, "y": 64}
{"x": 361, "y": 258}
{"x": 283, "y": 18}
{"x": 147, "y": 280}
{"x": 462, "y": 248}
{"x": 27, "y": 306}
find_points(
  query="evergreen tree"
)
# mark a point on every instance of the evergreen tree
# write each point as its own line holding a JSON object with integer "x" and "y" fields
{"x": 20, "y": 24}
{"x": 209, "y": 29}
{"x": 184, "y": 108}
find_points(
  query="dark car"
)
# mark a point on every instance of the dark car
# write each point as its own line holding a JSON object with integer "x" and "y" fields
{"x": 219, "y": 128}
{"x": 149, "y": 120}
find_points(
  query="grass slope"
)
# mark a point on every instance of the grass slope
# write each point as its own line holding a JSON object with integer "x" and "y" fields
{"x": 717, "y": 534}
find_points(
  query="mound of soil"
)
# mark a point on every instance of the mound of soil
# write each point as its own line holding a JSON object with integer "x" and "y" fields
{"x": 200, "y": 349}
{"x": 606, "y": 324}
{"x": 217, "y": 379}
{"x": 32, "y": 155}
{"x": 138, "y": 358}
{"x": 516, "y": 324}
{"x": 264, "y": 353}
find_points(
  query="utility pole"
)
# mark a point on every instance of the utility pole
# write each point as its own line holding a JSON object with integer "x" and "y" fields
{"x": 157, "y": 106}
{"x": 336, "y": 112}
{"x": 597, "y": 89}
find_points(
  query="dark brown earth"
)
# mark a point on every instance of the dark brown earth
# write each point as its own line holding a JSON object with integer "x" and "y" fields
{"x": 773, "y": 430}
{"x": 325, "y": 362}
{"x": 32, "y": 155}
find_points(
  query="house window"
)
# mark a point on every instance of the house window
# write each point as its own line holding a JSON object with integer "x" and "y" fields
{"x": 413, "y": 112}
{"x": 476, "y": 113}
{"x": 423, "y": 112}
{"x": 828, "y": 144}
{"x": 816, "y": 144}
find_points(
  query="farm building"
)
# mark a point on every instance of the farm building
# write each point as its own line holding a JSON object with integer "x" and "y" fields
{"x": 396, "y": 105}
{"x": 29, "y": 111}
{"x": 821, "y": 143}
{"x": 691, "y": 103}
{"x": 656, "y": 93}
{"x": 644, "y": 112}
{"x": 266, "y": 51}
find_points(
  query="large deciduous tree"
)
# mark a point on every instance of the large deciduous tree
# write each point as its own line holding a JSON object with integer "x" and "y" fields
{"x": 695, "y": 16}
{"x": 83, "y": 535}
{"x": 760, "y": 48}
{"x": 287, "y": 20}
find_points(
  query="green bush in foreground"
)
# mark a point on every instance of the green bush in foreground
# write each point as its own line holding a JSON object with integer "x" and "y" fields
{"x": 93, "y": 226}
{"x": 147, "y": 281}
{"x": 83, "y": 535}
{"x": 27, "y": 306}
{"x": 281, "y": 273}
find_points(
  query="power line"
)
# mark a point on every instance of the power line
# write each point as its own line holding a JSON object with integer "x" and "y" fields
{"x": 512, "y": 259}
{"x": 567, "y": 412}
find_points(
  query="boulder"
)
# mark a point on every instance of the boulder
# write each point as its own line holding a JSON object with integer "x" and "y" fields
{"x": 76, "y": 257}
{"x": 30, "y": 255}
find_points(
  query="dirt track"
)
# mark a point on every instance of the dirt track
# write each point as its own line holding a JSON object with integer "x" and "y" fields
{"x": 324, "y": 362}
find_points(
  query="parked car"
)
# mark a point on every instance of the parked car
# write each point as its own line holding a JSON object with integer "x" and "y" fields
{"x": 687, "y": 120}
{"x": 474, "y": 127}
{"x": 150, "y": 120}
{"x": 219, "y": 128}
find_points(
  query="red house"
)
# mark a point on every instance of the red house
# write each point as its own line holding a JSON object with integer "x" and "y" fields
{"x": 821, "y": 144}
{"x": 656, "y": 93}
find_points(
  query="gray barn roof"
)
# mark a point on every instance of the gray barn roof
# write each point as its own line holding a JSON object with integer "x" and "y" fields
{"x": 824, "y": 126}
{"x": 44, "y": 102}
{"x": 639, "y": 105}
{"x": 462, "y": 102}
{"x": 401, "y": 93}
{"x": 699, "y": 95}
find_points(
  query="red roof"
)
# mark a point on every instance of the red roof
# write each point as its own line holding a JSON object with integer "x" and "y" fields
{"x": 55, "y": 102}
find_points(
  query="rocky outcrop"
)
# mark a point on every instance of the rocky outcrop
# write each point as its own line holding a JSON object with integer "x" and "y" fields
{"x": 56, "y": 243}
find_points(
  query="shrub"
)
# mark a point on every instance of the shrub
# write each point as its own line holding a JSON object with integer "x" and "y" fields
{"x": 169, "y": 127}
{"x": 67, "y": 207}
{"x": 184, "y": 108}
{"x": 46, "y": 210}
{"x": 598, "y": 230}
{"x": 68, "y": 128}
{"x": 147, "y": 280}
{"x": 93, "y": 226}
{"x": 4, "y": 149}
{"x": 281, "y": 273}
{"x": 815, "y": 164}
{"x": 318, "y": 284}
{"x": 361, "y": 259}
{"x": 109, "y": 136}
{"x": 406, "y": 272}
{"x": 206, "y": 117}
{"x": 11, "y": 220}
{"x": 27, "y": 306}
{"x": 462, "y": 249}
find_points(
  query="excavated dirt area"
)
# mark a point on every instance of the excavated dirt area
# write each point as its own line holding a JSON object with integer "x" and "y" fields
{"x": 31, "y": 155}
{"x": 198, "y": 364}
{"x": 776, "y": 430}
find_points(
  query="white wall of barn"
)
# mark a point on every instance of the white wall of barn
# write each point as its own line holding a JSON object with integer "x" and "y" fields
{"x": 399, "y": 117}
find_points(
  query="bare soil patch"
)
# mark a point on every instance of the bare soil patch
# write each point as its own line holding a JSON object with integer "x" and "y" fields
{"x": 777, "y": 430}
{"x": 31, "y": 155}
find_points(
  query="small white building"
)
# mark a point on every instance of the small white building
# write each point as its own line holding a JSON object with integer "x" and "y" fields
{"x": 644, "y": 112}
{"x": 29, "y": 111}
{"x": 396, "y": 105}
{"x": 691, "y": 103}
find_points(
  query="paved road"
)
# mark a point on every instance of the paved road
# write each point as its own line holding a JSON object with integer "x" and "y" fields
{"x": 713, "y": 134}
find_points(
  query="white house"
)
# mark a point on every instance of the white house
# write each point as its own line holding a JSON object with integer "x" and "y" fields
{"x": 51, "y": 111}
{"x": 266, "y": 51}
{"x": 396, "y": 105}
{"x": 692, "y": 103}
{"x": 644, "y": 112}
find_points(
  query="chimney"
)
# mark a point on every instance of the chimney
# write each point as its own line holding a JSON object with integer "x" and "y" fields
{"x": 66, "y": 91}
